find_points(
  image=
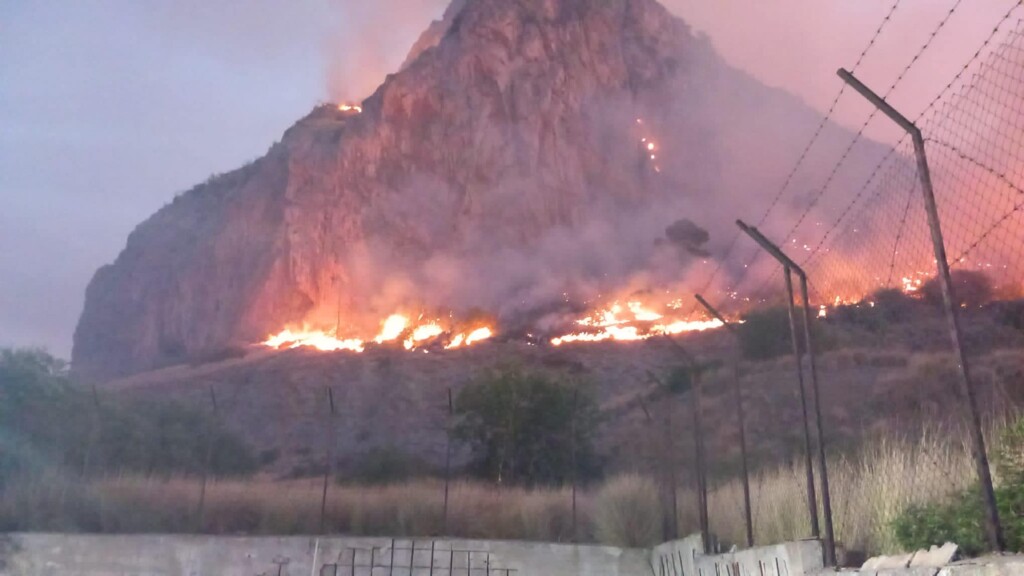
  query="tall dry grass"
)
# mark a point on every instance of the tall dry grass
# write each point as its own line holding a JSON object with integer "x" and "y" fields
{"x": 132, "y": 504}
{"x": 627, "y": 512}
{"x": 869, "y": 490}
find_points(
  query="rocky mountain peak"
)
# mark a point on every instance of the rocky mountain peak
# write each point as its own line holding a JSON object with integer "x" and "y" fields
{"x": 528, "y": 153}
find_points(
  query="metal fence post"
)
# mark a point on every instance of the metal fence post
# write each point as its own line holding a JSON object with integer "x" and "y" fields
{"x": 740, "y": 419}
{"x": 698, "y": 435}
{"x": 826, "y": 491}
{"x": 447, "y": 461}
{"x": 790, "y": 267}
{"x": 332, "y": 438}
{"x": 94, "y": 434}
{"x": 668, "y": 468}
{"x": 575, "y": 401}
{"x": 698, "y": 440}
{"x": 201, "y": 509}
{"x": 993, "y": 528}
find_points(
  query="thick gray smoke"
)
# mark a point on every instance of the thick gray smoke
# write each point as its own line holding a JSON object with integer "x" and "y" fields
{"x": 726, "y": 151}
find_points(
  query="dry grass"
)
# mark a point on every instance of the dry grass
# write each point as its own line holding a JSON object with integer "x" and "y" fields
{"x": 869, "y": 490}
{"x": 133, "y": 504}
{"x": 627, "y": 512}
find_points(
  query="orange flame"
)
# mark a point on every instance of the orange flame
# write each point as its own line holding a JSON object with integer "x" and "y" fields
{"x": 393, "y": 328}
{"x": 616, "y": 323}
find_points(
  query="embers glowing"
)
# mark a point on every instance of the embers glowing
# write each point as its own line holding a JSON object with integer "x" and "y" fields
{"x": 350, "y": 108}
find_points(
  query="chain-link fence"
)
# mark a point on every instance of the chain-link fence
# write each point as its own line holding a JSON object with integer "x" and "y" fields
{"x": 900, "y": 415}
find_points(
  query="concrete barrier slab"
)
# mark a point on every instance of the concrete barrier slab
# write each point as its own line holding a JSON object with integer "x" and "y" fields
{"x": 936, "y": 556}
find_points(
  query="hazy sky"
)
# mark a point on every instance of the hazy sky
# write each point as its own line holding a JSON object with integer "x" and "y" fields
{"x": 110, "y": 108}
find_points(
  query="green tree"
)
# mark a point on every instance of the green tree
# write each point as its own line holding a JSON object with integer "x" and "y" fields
{"x": 520, "y": 425}
{"x": 47, "y": 421}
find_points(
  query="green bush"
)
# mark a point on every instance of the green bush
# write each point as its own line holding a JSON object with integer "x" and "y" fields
{"x": 46, "y": 421}
{"x": 765, "y": 334}
{"x": 962, "y": 519}
{"x": 520, "y": 425}
{"x": 389, "y": 465}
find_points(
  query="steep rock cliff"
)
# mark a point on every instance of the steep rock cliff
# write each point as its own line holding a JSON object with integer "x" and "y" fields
{"x": 504, "y": 165}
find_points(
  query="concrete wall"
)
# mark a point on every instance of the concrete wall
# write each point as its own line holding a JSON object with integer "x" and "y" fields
{"x": 84, "y": 555}
{"x": 685, "y": 558}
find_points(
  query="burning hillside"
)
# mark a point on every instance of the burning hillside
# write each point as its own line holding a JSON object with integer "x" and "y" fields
{"x": 537, "y": 170}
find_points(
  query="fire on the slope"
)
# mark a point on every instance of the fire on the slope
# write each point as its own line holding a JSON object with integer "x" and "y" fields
{"x": 634, "y": 321}
{"x": 395, "y": 328}
{"x": 631, "y": 321}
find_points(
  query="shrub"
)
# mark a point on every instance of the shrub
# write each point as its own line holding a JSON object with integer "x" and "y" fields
{"x": 520, "y": 426}
{"x": 46, "y": 421}
{"x": 388, "y": 466}
{"x": 970, "y": 287}
{"x": 627, "y": 512}
{"x": 961, "y": 520}
{"x": 764, "y": 334}
{"x": 1011, "y": 314}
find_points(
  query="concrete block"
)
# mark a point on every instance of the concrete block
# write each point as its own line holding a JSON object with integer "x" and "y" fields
{"x": 894, "y": 562}
{"x": 936, "y": 556}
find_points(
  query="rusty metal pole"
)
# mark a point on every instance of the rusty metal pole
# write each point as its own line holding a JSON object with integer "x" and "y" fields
{"x": 332, "y": 440}
{"x": 791, "y": 267}
{"x": 740, "y": 419}
{"x": 826, "y": 491}
{"x": 201, "y": 508}
{"x": 812, "y": 500}
{"x": 447, "y": 461}
{"x": 993, "y": 527}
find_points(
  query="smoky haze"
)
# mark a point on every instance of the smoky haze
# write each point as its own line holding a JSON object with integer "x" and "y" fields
{"x": 109, "y": 108}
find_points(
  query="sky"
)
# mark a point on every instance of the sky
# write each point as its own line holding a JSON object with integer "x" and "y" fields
{"x": 108, "y": 109}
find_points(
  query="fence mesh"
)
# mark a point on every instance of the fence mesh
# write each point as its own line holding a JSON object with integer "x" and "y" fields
{"x": 897, "y": 425}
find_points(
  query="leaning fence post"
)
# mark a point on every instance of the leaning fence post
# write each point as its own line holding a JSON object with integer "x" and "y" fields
{"x": 740, "y": 419}
{"x": 332, "y": 438}
{"x": 789, "y": 268}
{"x": 200, "y": 511}
{"x": 993, "y": 527}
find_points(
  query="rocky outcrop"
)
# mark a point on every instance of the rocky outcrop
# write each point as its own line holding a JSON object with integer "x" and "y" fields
{"x": 505, "y": 165}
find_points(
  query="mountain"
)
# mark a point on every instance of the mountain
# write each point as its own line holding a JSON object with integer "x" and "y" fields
{"x": 528, "y": 152}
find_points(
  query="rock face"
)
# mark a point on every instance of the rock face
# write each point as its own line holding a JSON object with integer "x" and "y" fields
{"x": 505, "y": 165}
